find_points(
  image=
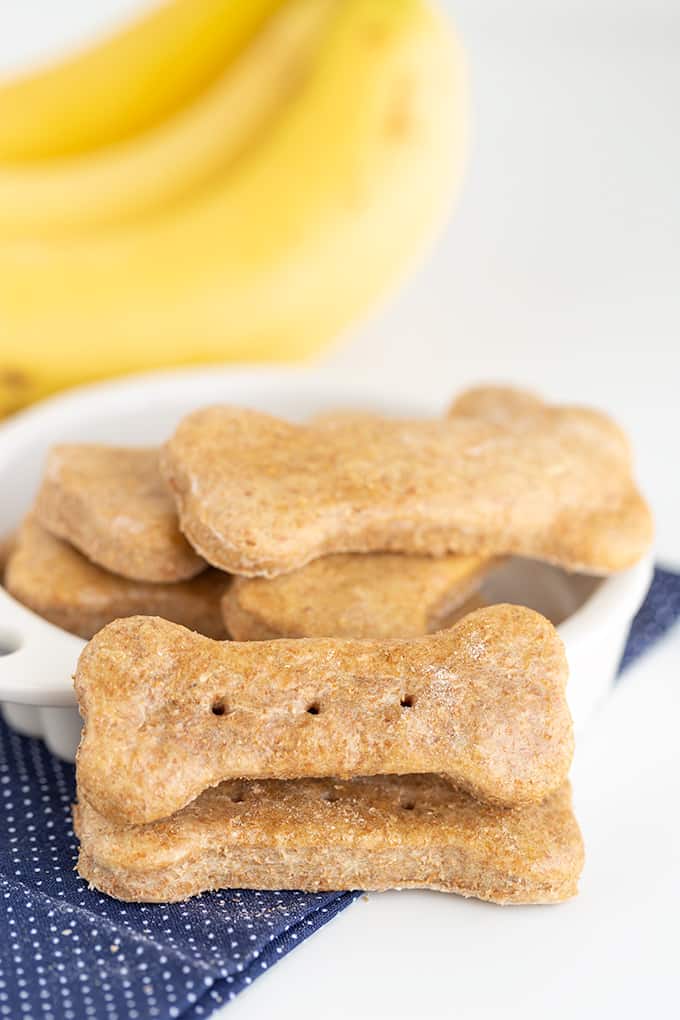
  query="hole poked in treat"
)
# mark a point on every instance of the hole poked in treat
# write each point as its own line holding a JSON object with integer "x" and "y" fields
{"x": 330, "y": 796}
{"x": 408, "y": 701}
{"x": 219, "y": 707}
{"x": 237, "y": 797}
{"x": 314, "y": 708}
{"x": 408, "y": 805}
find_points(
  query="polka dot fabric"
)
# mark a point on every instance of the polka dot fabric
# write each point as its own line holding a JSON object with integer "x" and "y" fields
{"x": 67, "y": 952}
{"x": 657, "y": 615}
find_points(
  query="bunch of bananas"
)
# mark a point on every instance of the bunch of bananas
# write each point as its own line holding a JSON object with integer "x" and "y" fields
{"x": 223, "y": 179}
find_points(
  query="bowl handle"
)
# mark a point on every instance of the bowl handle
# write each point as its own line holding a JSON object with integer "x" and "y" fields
{"x": 37, "y": 659}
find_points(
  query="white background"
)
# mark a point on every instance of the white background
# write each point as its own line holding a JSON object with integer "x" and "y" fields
{"x": 561, "y": 270}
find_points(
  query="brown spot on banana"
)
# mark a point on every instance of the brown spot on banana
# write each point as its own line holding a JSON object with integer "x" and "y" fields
{"x": 16, "y": 388}
{"x": 400, "y": 119}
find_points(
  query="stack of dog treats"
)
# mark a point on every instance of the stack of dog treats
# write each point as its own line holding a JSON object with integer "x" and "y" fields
{"x": 371, "y": 724}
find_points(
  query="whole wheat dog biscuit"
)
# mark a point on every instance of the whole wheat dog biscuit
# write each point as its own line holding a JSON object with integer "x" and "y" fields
{"x": 56, "y": 581}
{"x": 378, "y": 833}
{"x": 112, "y": 504}
{"x": 523, "y": 412}
{"x": 507, "y": 406}
{"x": 168, "y": 713}
{"x": 379, "y": 595}
{"x": 259, "y": 496}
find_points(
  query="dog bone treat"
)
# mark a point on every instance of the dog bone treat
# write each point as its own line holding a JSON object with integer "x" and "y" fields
{"x": 509, "y": 407}
{"x": 379, "y": 595}
{"x": 60, "y": 584}
{"x": 168, "y": 713}
{"x": 112, "y": 504}
{"x": 260, "y": 496}
{"x": 523, "y": 412}
{"x": 378, "y": 833}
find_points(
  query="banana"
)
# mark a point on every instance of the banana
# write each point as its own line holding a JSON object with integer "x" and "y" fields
{"x": 142, "y": 175}
{"x": 280, "y": 253}
{"x": 128, "y": 81}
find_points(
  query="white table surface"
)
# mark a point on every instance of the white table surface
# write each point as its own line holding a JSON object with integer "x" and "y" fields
{"x": 560, "y": 270}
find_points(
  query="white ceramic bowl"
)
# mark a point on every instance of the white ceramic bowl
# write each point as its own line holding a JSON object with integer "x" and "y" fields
{"x": 35, "y": 676}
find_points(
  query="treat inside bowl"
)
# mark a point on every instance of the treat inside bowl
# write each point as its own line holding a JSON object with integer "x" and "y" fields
{"x": 593, "y": 614}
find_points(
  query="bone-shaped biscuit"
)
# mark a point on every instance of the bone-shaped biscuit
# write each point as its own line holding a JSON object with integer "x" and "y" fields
{"x": 379, "y": 595}
{"x": 516, "y": 408}
{"x": 362, "y": 595}
{"x": 112, "y": 504}
{"x": 524, "y": 413}
{"x": 56, "y": 581}
{"x": 378, "y": 833}
{"x": 168, "y": 713}
{"x": 259, "y": 496}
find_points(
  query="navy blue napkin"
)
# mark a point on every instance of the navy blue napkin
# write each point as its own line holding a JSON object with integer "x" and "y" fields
{"x": 69, "y": 953}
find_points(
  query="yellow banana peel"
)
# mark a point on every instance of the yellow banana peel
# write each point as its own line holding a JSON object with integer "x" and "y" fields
{"x": 127, "y": 82}
{"x": 143, "y": 174}
{"x": 287, "y": 245}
